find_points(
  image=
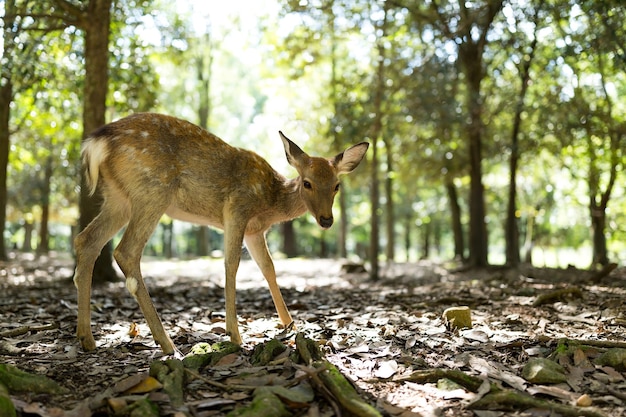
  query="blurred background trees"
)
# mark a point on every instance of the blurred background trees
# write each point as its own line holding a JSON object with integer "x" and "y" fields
{"x": 497, "y": 127}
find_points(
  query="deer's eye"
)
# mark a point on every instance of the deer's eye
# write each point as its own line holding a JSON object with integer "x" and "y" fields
{"x": 336, "y": 187}
{"x": 307, "y": 185}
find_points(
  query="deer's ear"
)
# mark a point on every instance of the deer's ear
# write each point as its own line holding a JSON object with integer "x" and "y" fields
{"x": 295, "y": 155}
{"x": 349, "y": 159}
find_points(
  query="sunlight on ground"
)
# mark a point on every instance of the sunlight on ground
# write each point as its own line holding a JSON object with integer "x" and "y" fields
{"x": 291, "y": 273}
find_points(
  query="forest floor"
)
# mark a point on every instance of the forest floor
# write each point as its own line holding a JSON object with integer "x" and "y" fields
{"x": 387, "y": 337}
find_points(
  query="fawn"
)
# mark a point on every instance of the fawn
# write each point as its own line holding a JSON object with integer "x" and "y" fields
{"x": 147, "y": 165}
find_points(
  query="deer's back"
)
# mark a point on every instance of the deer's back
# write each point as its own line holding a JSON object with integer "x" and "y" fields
{"x": 152, "y": 157}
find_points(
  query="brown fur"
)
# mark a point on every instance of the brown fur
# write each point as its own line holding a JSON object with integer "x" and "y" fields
{"x": 147, "y": 165}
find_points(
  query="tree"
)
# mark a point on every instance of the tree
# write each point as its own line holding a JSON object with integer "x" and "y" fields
{"x": 6, "y": 97}
{"x": 595, "y": 125}
{"x": 467, "y": 26}
{"x": 511, "y": 239}
{"x": 94, "y": 19}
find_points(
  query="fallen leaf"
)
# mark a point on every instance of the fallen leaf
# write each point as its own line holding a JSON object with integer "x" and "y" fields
{"x": 386, "y": 369}
{"x": 134, "y": 330}
{"x": 147, "y": 385}
{"x": 584, "y": 401}
{"x": 117, "y": 404}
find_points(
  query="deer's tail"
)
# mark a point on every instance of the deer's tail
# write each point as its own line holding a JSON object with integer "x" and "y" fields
{"x": 94, "y": 152}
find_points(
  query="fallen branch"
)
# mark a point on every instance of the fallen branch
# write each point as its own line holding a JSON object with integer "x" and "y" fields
{"x": 515, "y": 400}
{"x": 18, "y": 331}
{"x": 469, "y": 382}
{"x": 556, "y": 295}
{"x": 608, "y": 344}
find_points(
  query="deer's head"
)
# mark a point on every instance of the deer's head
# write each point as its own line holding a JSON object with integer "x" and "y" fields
{"x": 319, "y": 177}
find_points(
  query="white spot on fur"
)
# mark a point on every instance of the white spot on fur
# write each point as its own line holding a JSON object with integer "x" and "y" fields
{"x": 131, "y": 286}
{"x": 75, "y": 279}
{"x": 144, "y": 134}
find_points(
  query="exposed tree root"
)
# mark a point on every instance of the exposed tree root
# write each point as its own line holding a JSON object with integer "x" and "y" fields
{"x": 333, "y": 381}
{"x": 557, "y": 295}
{"x": 469, "y": 382}
{"x": 515, "y": 400}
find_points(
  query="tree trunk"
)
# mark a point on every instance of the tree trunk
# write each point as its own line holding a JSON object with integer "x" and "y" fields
{"x": 477, "y": 227}
{"x": 528, "y": 241}
{"x": 323, "y": 249}
{"x": 168, "y": 239}
{"x": 426, "y": 234}
{"x": 598, "y": 224}
{"x": 6, "y": 97}
{"x": 96, "y": 27}
{"x": 43, "y": 247}
{"x": 598, "y": 208}
{"x": 377, "y": 128}
{"x": 290, "y": 248}
{"x": 343, "y": 227}
{"x": 389, "y": 206}
{"x": 471, "y": 47}
{"x": 455, "y": 217}
{"x": 408, "y": 223}
{"x": 204, "y": 65}
{"x": 27, "y": 245}
{"x": 202, "y": 241}
{"x": 511, "y": 231}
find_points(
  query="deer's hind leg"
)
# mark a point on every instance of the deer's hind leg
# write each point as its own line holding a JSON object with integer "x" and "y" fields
{"x": 88, "y": 244}
{"x": 145, "y": 216}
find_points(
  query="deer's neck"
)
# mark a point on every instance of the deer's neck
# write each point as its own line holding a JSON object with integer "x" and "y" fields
{"x": 292, "y": 204}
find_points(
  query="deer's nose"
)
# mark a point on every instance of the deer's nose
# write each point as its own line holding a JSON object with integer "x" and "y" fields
{"x": 326, "y": 222}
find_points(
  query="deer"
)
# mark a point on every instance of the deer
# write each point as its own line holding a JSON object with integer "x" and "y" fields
{"x": 148, "y": 164}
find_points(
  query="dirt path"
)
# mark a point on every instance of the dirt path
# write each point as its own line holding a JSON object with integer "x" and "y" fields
{"x": 387, "y": 337}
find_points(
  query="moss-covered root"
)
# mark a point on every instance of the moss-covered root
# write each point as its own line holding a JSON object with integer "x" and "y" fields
{"x": 264, "y": 353}
{"x": 344, "y": 392}
{"x": 341, "y": 389}
{"x": 515, "y": 400}
{"x": 171, "y": 374}
{"x": 264, "y": 404}
{"x": 204, "y": 354}
{"x": 469, "y": 382}
{"x": 17, "y": 380}
{"x": 6, "y": 405}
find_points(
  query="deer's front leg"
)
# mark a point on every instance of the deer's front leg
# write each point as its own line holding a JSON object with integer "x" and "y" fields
{"x": 257, "y": 246}
{"x": 233, "y": 239}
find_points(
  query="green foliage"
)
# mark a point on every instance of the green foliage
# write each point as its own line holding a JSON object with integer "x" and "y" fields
{"x": 309, "y": 68}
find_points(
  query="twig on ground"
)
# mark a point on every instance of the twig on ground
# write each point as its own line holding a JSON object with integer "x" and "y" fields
{"x": 18, "y": 331}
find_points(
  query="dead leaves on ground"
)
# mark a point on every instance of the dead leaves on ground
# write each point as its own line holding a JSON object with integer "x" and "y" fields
{"x": 388, "y": 338}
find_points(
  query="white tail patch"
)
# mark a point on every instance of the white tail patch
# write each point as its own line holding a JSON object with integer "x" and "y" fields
{"x": 94, "y": 153}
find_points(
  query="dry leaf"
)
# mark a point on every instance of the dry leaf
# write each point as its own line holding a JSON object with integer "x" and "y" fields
{"x": 134, "y": 330}
{"x": 147, "y": 385}
{"x": 386, "y": 369}
{"x": 228, "y": 359}
{"x": 117, "y": 404}
{"x": 584, "y": 401}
